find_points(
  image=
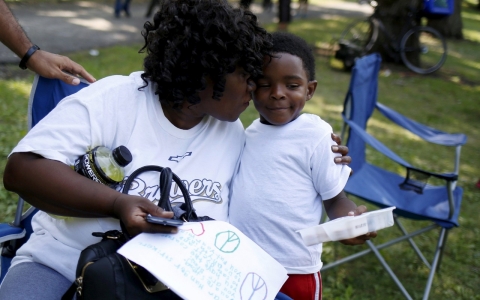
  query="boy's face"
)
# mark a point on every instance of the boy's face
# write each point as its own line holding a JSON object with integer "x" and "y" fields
{"x": 283, "y": 90}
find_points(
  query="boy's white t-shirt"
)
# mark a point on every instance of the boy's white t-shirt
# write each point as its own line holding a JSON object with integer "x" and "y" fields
{"x": 285, "y": 173}
{"x": 113, "y": 112}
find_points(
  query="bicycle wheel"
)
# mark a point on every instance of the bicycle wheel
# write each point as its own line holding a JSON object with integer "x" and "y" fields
{"x": 360, "y": 35}
{"x": 423, "y": 50}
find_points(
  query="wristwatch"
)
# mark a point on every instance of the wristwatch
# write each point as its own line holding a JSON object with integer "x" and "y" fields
{"x": 26, "y": 57}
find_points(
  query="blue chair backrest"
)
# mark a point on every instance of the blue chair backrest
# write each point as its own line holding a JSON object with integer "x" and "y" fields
{"x": 45, "y": 95}
{"x": 360, "y": 101}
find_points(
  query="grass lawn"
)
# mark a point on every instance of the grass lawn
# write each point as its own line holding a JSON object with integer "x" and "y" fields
{"x": 447, "y": 100}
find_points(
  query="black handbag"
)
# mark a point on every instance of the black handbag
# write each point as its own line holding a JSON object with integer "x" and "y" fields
{"x": 104, "y": 274}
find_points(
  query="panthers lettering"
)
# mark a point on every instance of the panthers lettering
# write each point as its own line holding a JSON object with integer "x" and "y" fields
{"x": 199, "y": 190}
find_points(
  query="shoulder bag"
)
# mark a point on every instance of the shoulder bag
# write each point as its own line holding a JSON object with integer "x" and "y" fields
{"x": 103, "y": 274}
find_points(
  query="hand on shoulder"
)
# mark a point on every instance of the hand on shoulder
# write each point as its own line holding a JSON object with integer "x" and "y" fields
{"x": 51, "y": 65}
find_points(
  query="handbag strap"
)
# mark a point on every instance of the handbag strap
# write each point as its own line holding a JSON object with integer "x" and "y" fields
{"x": 165, "y": 185}
{"x": 166, "y": 176}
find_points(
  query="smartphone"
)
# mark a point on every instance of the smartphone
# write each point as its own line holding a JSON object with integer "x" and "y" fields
{"x": 164, "y": 221}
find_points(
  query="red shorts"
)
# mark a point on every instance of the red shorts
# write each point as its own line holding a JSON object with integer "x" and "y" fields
{"x": 303, "y": 286}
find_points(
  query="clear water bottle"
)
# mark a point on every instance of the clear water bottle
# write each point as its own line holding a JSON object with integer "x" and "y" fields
{"x": 104, "y": 165}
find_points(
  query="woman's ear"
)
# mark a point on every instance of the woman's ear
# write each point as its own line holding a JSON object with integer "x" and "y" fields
{"x": 311, "y": 87}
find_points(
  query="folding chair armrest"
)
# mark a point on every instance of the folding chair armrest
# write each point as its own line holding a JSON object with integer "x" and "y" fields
{"x": 380, "y": 147}
{"x": 446, "y": 176}
{"x": 427, "y": 133}
{"x": 449, "y": 177}
{"x": 9, "y": 232}
{"x": 376, "y": 144}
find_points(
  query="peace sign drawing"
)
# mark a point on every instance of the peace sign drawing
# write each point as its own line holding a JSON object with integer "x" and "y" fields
{"x": 253, "y": 287}
{"x": 227, "y": 241}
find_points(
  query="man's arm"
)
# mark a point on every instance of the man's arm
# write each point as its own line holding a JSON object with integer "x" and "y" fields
{"x": 44, "y": 63}
{"x": 12, "y": 34}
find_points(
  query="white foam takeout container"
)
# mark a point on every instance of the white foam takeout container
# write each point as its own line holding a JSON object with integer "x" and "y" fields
{"x": 348, "y": 227}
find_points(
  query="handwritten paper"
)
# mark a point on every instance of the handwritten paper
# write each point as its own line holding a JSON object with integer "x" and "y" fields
{"x": 208, "y": 260}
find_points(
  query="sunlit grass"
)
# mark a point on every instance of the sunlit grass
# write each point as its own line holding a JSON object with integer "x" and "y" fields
{"x": 13, "y": 124}
{"x": 470, "y": 16}
{"x": 472, "y": 35}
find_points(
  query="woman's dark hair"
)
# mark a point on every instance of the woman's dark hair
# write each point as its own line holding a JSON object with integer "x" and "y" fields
{"x": 191, "y": 40}
{"x": 292, "y": 44}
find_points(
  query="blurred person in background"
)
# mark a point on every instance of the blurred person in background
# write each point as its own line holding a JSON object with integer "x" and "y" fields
{"x": 122, "y": 6}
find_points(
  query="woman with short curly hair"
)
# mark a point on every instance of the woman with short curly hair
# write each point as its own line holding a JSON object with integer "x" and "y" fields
{"x": 181, "y": 112}
{"x": 197, "y": 41}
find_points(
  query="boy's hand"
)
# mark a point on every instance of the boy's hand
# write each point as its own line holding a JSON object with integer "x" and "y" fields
{"x": 359, "y": 240}
{"x": 343, "y": 150}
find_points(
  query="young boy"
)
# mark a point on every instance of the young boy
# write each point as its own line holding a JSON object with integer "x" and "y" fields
{"x": 287, "y": 169}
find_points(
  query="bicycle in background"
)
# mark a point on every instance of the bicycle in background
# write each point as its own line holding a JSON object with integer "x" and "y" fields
{"x": 421, "y": 48}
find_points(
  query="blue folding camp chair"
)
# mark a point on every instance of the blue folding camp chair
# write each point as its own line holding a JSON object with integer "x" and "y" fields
{"x": 45, "y": 95}
{"x": 412, "y": 196}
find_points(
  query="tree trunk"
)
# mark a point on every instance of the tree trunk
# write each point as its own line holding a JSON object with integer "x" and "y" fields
{"x": 450, "y": 26}
{"x": 393, "y": 15}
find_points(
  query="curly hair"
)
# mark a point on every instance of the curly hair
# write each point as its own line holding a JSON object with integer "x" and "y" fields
{"x": 292, "y": 44}
{"x": 192, "y": 40}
